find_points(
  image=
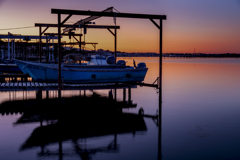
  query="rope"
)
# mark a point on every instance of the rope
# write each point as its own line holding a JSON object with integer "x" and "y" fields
{"x": 116, "y": 10}
{"x": 17, "y": 28}
{"x": 115, "y": 15}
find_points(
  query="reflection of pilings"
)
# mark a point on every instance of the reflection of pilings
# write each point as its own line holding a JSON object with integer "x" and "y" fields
{"x": 39, "y": 95}
{"x": 115, "y": 94}
{"x": 24, "y": 97}
{"x": 12, "y": 95}
{"x": 47, "y": 94}
{"x": 129, "y": 94}
{"x": 59, "y": 95}
{"x": 110, "y": 95}
{"x": 115, "y": 140}
{"x": 124, "y": 94}
{"x": 160, "y": 125}
{"x": 60, "y": 150}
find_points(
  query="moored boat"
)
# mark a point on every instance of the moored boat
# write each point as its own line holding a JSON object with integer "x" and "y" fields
{"x": 84, "y": 73}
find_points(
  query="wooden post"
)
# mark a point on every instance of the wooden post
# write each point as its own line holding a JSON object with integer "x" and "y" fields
{"x": 2, "y": 51}
{"x": 47, "y": 49}
{"x": 115, "y": 45}
{"x": 80, "y": 44}
{"x": 160, "y": 57}
{"x": 8, "y": 47}
{"x": 59, "y": 51}
{"x": 160, "y": 96}
{"x": 40, "y": 44}
{"x": 124, "y": 94}
{"x": 59, "y": 54}
{"x": 25, "y": 54}
{"x": 11, "y": 50}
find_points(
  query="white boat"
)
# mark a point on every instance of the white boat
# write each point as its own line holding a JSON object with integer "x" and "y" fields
{"x": 84, "y": 73}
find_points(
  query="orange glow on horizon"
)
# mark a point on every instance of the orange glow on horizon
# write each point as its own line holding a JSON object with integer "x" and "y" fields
{"x": 135, "y": 35}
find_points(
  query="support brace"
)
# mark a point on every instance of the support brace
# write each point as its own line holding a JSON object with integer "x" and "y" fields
{"x": 44, "y": 30}
{"x": 159, "y": 27}
{"x": 69, "y": 16}
{"x": 75, "y": 38}
{"x": 111, "y": 32}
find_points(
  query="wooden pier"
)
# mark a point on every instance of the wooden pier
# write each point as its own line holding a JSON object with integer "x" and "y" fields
{"x": 14, "y": 86}
{"x": 19, "y": 86}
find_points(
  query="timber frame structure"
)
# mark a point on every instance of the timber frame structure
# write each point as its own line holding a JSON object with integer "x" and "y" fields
{"x": 98, "y": 14}
{"x": 61, "y": 24}
{"x": 70, "y": 34}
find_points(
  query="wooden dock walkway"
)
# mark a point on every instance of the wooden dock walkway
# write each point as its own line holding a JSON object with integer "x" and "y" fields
{"x": 19, "y": 86}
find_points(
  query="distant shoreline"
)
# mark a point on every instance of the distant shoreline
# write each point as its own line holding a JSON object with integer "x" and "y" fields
{"x": 179, "y": 55}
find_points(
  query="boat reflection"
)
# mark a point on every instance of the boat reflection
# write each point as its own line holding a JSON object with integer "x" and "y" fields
{"x": 74, "y": 120}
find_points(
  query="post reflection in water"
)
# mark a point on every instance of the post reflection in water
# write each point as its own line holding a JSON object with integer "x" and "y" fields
{"x": 75, "y": 119}
{"x": 160, "y": 124}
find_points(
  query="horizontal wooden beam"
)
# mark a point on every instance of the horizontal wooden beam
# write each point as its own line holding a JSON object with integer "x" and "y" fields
{"x": 22, "y": 37}
{"x": 77, "y": 26}
{"x": 108, "y": 14}
{"x": 72, "y": 43}
{"x": 63, "y": 34}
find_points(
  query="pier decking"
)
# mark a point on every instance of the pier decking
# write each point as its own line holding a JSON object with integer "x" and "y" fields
{"x": 15, "y": 86}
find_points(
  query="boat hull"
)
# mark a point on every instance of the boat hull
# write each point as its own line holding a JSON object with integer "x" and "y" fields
{"x": 49, "y": 73}
{"x": 10, "y": 68}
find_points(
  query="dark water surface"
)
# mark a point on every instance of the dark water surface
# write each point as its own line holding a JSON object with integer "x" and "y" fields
{"x": 200, "y": 118}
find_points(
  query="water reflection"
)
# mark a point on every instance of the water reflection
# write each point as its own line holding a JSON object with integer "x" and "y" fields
{"x": 73, "y": 122}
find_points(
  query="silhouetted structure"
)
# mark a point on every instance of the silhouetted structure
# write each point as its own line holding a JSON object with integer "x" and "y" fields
{"x": 77, "y": 118}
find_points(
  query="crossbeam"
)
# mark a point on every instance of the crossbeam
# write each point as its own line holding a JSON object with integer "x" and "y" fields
{"x": 22, "y": 37}
{"x": 63, "y": 34}
{"x": 108, "y": 14}
{"x": 72, "y": 43}
{"x": 77, "y": 26}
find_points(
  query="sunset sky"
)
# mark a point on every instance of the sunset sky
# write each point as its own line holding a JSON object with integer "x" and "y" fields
{"x": 208, "y": 26}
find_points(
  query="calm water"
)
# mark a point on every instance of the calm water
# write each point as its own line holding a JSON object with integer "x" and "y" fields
{"x": 200, "y": 119}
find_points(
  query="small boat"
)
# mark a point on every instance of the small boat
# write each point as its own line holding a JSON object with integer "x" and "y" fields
{"x": 84, "y": 73}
